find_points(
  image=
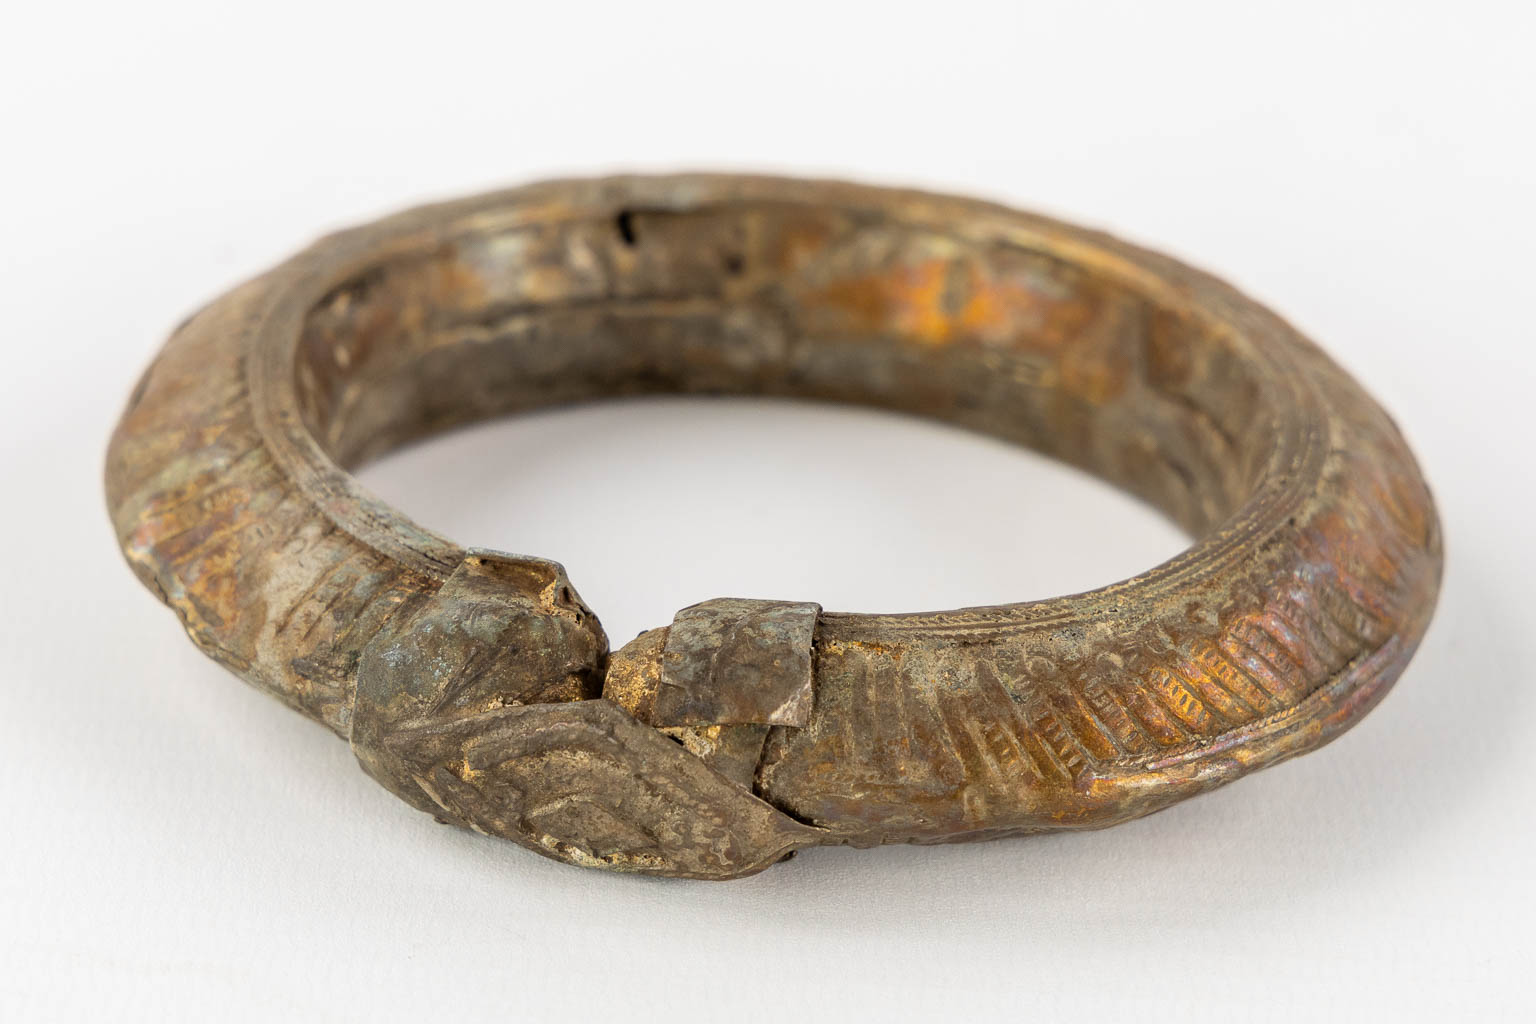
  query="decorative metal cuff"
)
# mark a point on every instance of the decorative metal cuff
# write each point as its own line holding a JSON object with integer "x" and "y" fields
{"x": 478, "y": 687}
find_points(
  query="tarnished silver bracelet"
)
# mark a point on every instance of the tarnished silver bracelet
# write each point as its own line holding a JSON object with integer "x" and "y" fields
{"x": 477, "y": 686}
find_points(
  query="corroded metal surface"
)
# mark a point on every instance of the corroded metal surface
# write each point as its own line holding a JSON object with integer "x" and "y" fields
{"x": 478, "y": 686}
{"x": 735, "y": 662}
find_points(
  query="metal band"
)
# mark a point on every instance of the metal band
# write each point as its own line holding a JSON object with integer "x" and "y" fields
{"x": 477, "y": 685}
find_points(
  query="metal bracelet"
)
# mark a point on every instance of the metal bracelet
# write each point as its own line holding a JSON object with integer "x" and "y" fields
{"x": 477, "y": 686}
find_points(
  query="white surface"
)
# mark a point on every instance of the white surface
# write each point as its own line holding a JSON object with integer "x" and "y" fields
{"x": 178, "y": 846}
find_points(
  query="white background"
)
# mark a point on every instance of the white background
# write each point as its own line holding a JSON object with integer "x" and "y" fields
{"x": 178, "y": 846}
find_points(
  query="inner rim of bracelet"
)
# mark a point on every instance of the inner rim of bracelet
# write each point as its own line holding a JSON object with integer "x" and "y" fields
{"x": 792, "y": 300}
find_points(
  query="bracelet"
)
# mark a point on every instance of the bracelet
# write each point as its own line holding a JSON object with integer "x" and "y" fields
{"x": 478, "y": 687}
